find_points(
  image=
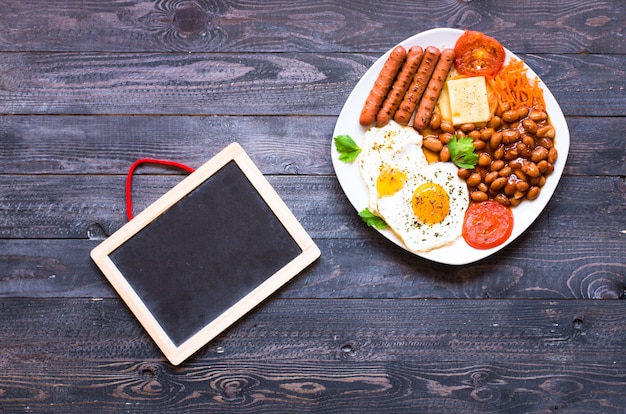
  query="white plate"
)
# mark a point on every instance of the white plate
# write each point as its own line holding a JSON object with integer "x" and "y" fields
{"x": 354, "y": 187}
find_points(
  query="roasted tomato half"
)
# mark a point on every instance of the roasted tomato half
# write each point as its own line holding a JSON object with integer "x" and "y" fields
{"x": 487, "y": 224}
{"x": 477, "y": 54}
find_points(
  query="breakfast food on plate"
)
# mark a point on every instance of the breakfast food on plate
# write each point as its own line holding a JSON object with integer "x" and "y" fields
{"x": 389, "y": 155}
{"x": 382, "y": 85}
{"x": 433, "y": 90}
{"x": 400, "y": 86}
{"x": 487, "y": 224}
{"x": 480, "y": 142}
{"x": 478, "y": 54}
{"x": 418, "y": 86}
{"x": 428, "y": 211}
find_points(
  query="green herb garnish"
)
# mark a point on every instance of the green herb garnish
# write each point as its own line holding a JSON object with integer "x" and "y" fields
{"x": 347, "y": 148}
{"x": 372, "y": 220}
{"x": 462, "y": 152}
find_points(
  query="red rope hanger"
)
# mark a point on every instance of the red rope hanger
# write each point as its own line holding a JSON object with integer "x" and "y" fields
{"x": 133, "y": 167}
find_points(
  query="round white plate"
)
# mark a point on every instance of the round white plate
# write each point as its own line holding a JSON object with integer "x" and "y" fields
{"x": 349, "y": 175}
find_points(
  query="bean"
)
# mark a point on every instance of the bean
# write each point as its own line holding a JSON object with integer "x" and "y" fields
{"x": 545, "y": 131}
{"x": 542, "y": 181}
{"x": 444, "y": 154}
{"x": 467, "y": 127}
{"x": 531, "y": 170}
{"x": 432, "y": 144}
{"x": 459, "y": 133}
{"x": 475, "y": 134}
{"x": 484, "y": 159}
{"x": 435, "y": 121}
{"x": 545, "y": 142}
{"x": 523, "y": 150}
{"x": 510, "y": 116}
{"x": 533, "y": 193}
{"x": 510, "y": 135}
{"x": 486, "y": 133}
{"x": 511, "y": 154}
{"x": 490, "y": 177}
{"x": 496, "y": 140}
{"x": 482, "y": 187}
{"x": 479, "y": 145}
{"x": 510, "y": 188}
{"x": 516, "y": 164}
{"x": 539, "y": 153}
{"x": 550, "y": 168}
{"x": 543, "y": 166}
{"x": 522, "y": 112}
{"x": 515, "y": 202}
{"x": 445, "y": 137}
{"x": 520, "y": 174}
{"x": 446, "y": 126}
{"x": 497, "y": 165}
{"x": 479, "y": 196}
{"x": 463, "y": 173}
{"x": 495, "y": 122}
{"x": 498, "y": 154}
{"x": 474, "y": 179}
{"x": 518, "y": 195}
{"x": 529, "y": 125}
{"x": 552, "y": 155}
{"x": 522, "y": 186}
{"x": 498, "y": 183}
{"x": 529, "y": 140}
{"x": 502, "y": 199}
{"x": 538, "y": 116}
{"x": 505, "y": 171}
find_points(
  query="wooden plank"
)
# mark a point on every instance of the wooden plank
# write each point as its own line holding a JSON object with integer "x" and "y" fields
{"x": 572, "y": 26}
{"x": 252, "y": 84}
{"x": 59, "y": 206}
{"x": 278, "y": 145}
{"x": 573, "y": 268}
{"x": 323, "y": 355}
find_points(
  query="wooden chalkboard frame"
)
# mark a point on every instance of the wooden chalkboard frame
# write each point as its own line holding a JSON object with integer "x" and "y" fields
{"x": 177, "y": 353}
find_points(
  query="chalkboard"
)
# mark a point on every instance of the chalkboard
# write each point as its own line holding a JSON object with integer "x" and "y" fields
{"x": 205, "y": 253}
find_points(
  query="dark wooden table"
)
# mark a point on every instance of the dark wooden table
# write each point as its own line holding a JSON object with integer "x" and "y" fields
{"x": 86, "y": 88}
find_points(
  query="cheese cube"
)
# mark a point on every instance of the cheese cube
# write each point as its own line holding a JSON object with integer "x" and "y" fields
{"x": 469, "y": 102}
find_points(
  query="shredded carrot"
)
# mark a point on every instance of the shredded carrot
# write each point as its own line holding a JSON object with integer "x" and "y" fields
{"x": 514, "y": 87}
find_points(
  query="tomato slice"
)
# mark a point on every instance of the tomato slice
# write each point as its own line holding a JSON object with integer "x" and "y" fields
{"x": 487, "y": 224}
{"x": 477, "y": 54}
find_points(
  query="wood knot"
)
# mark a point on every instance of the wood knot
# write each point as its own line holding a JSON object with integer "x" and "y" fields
{"x": 190, "y": 19}
{"x": 598, "y": 281}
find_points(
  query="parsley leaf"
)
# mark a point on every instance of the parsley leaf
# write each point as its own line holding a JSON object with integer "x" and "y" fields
{"x": 372, "y": 220}
{"x": 347, "y": 148}
{"x": 462, "y": 152}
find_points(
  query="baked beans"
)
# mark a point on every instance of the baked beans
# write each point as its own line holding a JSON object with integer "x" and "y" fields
{"x": 515, "y": 151}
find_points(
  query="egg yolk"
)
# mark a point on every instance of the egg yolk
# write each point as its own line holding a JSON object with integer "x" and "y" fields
{"x": 431, "y": 203}
{"x": 389, "y": 182}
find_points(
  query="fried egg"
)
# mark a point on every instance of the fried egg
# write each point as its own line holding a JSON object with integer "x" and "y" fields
{"x": 390, "y": 154}
{"x": 428, "y": 211}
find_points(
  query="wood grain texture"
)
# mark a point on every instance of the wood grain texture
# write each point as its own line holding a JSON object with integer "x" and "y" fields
{"x": 252, "y": 84}
{"x": 564, "y": 26}
{"x": 59, "y": 206}
{"x": 323, "y": 356}
{"x": 358, "y": 268}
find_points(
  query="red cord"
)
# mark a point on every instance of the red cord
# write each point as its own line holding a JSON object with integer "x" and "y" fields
{"x": 131, "y": 170}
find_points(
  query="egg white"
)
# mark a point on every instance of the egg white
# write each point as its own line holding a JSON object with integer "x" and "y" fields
{"x": 394, "y": 147}
{"x": 398, "y": 213}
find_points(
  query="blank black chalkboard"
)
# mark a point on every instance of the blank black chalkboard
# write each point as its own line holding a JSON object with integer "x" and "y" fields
{"x": 205, "y": 253}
